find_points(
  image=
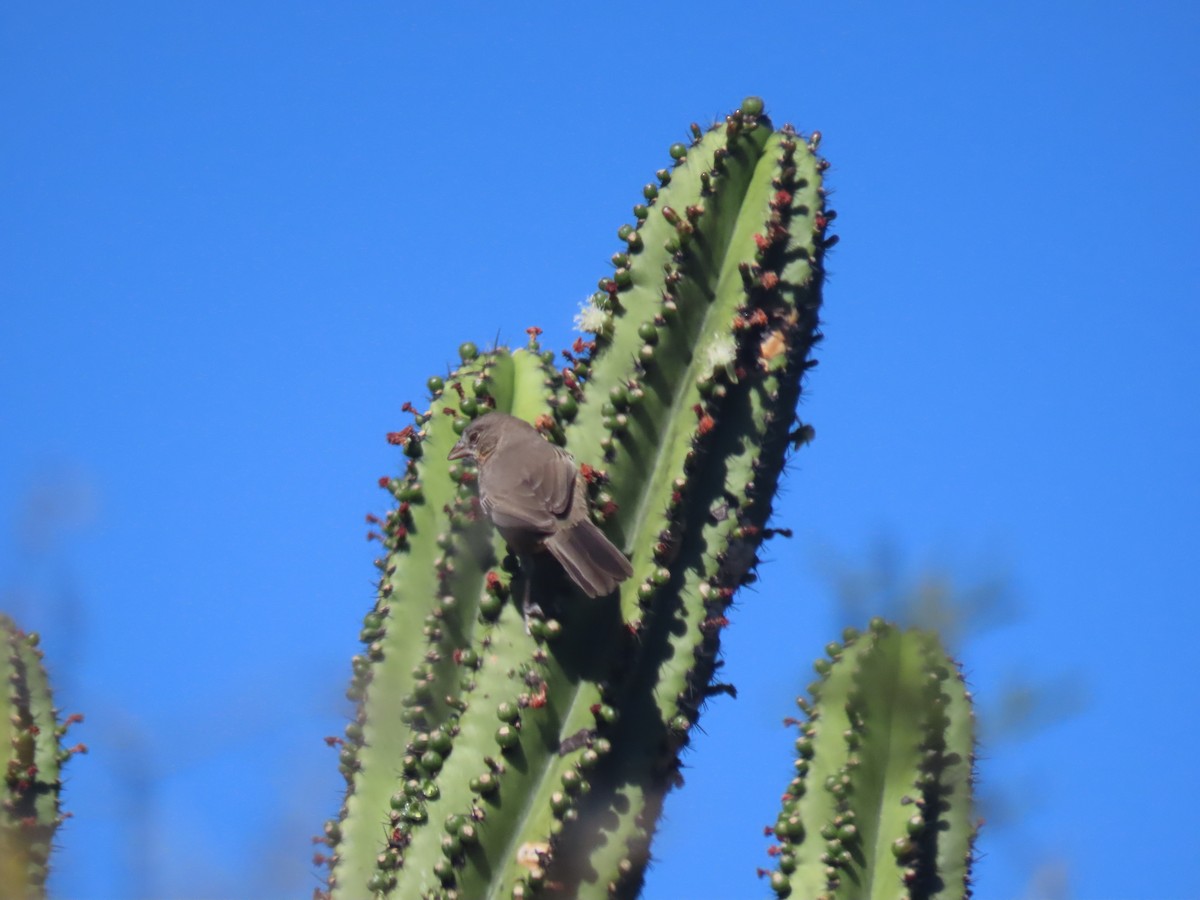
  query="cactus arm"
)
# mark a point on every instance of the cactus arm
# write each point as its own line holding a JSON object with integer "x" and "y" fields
{"x": 881, "y": 805}
{"x": 494, "y": 676}
{"x": 714, "y": 540}
{"x": 427, "y": 609}
{"x": 32, "y": 740}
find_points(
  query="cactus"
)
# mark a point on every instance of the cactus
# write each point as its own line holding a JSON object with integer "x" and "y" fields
{"x": 495, "y": 755}
{"x": 30, "y": 812}
{"x": 881, "y": 802}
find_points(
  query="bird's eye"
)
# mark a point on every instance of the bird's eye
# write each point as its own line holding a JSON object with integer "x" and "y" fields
{"x": 472, "y": 437}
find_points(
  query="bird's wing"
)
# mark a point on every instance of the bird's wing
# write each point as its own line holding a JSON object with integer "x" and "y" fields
{"x": 531, "y": 491}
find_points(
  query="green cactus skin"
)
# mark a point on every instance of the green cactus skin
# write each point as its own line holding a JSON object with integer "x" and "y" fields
{"x": 881, "y": 806}
{"x": 31, "y": 732}
{"x": 488, "y": 759}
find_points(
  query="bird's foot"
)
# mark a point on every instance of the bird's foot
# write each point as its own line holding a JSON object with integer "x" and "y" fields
{"x": 531, "y": 611}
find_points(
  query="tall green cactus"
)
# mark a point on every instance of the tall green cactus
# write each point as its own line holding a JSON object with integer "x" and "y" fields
{"x": 495, "y": 757}
{"x": 32, "y": 735}
{"x": 881, "y": 803}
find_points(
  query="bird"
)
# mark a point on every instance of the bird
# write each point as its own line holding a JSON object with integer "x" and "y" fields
{"x": 533, "y": 492}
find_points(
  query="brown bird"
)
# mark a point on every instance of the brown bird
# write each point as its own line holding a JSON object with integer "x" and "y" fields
{"x": 533, "y": 492}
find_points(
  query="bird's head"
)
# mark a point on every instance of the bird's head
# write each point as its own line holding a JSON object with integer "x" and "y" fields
{"x": 479, "y": 438}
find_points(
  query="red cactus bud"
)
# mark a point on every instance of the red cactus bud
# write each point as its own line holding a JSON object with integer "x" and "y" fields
{"x": 396, "y": 438}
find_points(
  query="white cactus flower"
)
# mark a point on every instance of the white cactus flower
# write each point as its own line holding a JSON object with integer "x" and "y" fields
{"x": 590, "y": 317}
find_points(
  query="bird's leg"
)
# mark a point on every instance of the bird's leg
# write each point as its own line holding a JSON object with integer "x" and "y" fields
{"x": 529, "y": 607}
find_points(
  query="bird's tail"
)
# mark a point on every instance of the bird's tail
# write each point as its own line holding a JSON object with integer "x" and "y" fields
{"x": 589, "y": 558}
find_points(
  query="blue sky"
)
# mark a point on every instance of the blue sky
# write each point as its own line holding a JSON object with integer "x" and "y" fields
{"x": 234, "y": 238}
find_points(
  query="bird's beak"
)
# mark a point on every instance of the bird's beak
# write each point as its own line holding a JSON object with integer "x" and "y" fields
{"x": 459, "y": 451}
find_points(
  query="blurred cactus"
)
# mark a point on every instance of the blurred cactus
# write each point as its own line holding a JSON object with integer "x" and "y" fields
{"x": 32, "y": 734}
{"x": 881, "y": 802}
{"x": 495, "y": 757}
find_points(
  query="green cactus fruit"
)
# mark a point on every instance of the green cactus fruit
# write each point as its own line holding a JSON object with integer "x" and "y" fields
{"x": 32, "y": 734}
{"x": 495, "y": 757}
{"x": 881, "y": 805}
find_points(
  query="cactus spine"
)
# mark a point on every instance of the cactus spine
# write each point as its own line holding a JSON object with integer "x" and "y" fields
{"x": 881, "y": 803}
{"x": 31, "y": 733}
{"x": 488, "y": 759}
